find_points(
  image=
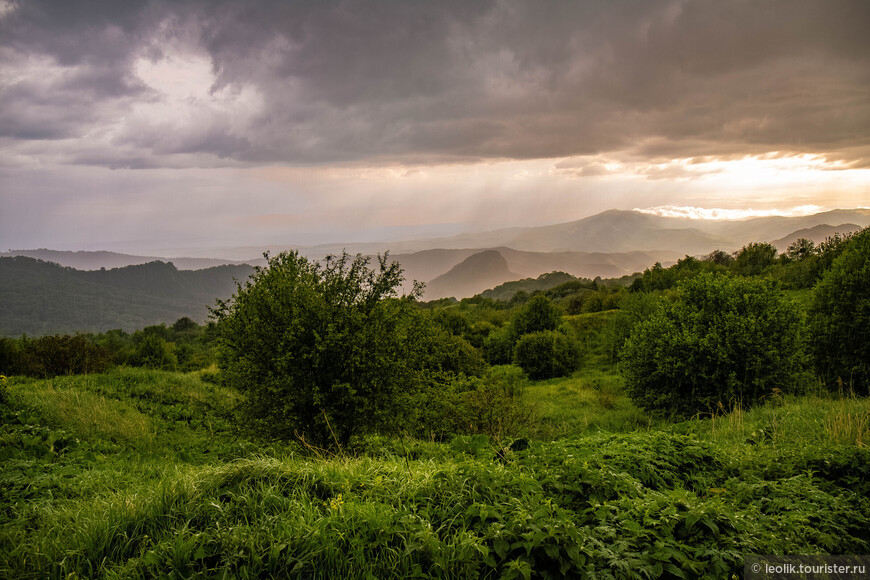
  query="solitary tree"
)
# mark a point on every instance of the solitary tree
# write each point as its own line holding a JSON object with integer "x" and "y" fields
{"x": 326, "y": 351}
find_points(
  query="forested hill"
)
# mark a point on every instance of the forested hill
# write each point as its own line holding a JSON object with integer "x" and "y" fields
{"x": 41, "y": 298}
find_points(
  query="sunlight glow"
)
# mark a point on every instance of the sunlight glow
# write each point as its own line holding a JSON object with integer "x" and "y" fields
{"x": 727, "y": 214}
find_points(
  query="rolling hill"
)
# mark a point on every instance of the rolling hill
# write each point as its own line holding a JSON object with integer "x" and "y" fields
{"x": 471, "y": 276}
{"x": 40, "y": 298}
{"x": 817, "y": 234}
{"x": 482, "y": 273}
{"x": 618, "y": 231}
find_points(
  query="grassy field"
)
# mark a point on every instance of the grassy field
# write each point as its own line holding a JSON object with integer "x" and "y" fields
{"x": 141, "y": 474}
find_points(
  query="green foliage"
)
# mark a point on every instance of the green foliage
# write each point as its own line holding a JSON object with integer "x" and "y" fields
{"x": 537, "y": 315}
{"x": 719, "y": 258}
{"x": 840, "y": 318}
{"x": 800, "y": 249}
{"x": 183, "y": 346}
{"x": 660, "y": 278}
{"x": 190, "y": 497}
{"x": 546, "y": 354}
{"x": 544, "y": 282}
{"x": 725, "y": 340}
{"x": 10, "y": 357}
{"x": 50, "y": 356}
{"x": 496, "y": 406}
{"x": 154, "y": 352}
{"x": 452, "y": 321}
{"x": 753, "y": 259}
{"x": 498, "y": 346}
{"x": 831, "y": 248}
{"x": 324, "y": 351}
{"x": 635, "y": 308}
{"x": 643, "y": 505}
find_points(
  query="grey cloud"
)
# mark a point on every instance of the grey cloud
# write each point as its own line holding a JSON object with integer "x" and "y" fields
{"x": 458, "y": 80}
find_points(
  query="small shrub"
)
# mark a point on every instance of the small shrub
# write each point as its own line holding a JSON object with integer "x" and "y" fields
{"x": 155, "y": 353}
{"x": 496, "y": 407}
{"x": 538, "y": 315}
{"x": 547, "y": 354}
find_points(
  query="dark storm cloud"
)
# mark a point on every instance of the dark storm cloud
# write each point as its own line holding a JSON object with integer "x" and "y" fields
{"x": 445, "y": 81}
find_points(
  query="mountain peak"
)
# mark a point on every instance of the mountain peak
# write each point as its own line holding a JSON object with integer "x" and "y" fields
{"x": 473, "y": 275}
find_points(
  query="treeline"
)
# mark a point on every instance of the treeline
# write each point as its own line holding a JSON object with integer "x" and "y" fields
{"x": 801, "y": 266}
{"x": 182, "y": 346}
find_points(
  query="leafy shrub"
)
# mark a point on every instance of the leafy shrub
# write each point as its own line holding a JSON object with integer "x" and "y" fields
{"x": 754, "y": 258}
{"x": 154, "y": 352}
{"x": 840, "y": 318}
{"x": 326, "y": 351}
{"x": 547, "y": 354}
{"x": 725, "y": 340}
{"x": 537, "y": 315}
{"x": 498, "y": 346}
{"x": 495, "y": 406}
{"x": 10, "y": 357}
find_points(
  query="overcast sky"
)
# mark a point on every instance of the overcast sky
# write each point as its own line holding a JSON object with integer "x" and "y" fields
{"x": 178, "y": 126}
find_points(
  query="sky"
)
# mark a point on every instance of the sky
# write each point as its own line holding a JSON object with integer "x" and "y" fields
{"x": 182, "y": 127}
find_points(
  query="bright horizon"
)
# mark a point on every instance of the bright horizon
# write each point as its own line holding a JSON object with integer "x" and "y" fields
{"x": 187, "y": 127}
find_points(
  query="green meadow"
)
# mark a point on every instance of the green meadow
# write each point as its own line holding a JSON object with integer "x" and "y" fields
{"x": 140, "y": 473}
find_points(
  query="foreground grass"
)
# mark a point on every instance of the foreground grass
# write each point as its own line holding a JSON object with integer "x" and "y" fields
{"x": 691, "y": 500}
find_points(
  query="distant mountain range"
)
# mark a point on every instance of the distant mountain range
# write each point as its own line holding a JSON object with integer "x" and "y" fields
{"x": 134, "y": 291}
{"x": 40, "y": 298}
{"x": 102, "y": 259}
{"x": 622, "y": 231}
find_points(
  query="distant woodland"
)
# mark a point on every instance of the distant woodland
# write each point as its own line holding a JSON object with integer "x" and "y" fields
{"x": 39, "y": 298}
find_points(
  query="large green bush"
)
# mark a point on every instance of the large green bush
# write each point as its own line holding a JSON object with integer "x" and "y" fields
{"x": 840, "y": 318}
{"x": 725, "y": 340}
{"x": 326, "y": 351}
{"x": 546, "y": 354}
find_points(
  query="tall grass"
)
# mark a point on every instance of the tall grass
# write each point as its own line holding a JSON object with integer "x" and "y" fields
{"x": 61, "y": 402}
{"x": 810, "y": 420}
{"x": 587, "y": 402}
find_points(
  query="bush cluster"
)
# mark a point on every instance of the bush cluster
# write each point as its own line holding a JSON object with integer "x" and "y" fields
{"x": 724, "y": 342}
{"x": 840, "y": 318}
